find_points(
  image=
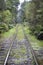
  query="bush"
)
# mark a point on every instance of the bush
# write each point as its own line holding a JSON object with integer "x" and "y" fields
{"x": 3, "y": 27}
{"x": 10, "y": 26}
{"x": 0, "y": 16}
{"x": 7, "y": 16}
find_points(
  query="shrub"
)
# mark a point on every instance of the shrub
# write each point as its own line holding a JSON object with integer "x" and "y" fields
{"x": 7, "y": 16}
{"x": 3, "y": 27}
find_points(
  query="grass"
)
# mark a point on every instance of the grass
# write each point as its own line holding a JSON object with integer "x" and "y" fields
{"x": 20, "y": 34}
{"x": 36, "y": 44}
{"x": 8, "y": 34}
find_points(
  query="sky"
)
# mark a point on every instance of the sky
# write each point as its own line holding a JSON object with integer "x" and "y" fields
{"x": 21, "y": 1}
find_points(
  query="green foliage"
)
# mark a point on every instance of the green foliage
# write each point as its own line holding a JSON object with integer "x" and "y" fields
{"x": 5, "y": 20}
{"x": 7, "y": 16}
{"x": 2, "y": 4}
{"x": 8, "y": 12}
{"x": 3, "y": 27}
{"x": 34, "y": 14}
{"x": 11, "y": 3}
{"x": 0, "y": 16}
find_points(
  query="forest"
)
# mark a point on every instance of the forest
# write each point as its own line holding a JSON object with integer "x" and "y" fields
{"x": 8, "y": 12}
{"x": 21, "y": 31}
{"x": 31, "y": 12}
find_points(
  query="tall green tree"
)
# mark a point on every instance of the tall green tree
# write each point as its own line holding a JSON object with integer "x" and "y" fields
{"x": 8, "y": 12}
{"x": 34, "y": 14}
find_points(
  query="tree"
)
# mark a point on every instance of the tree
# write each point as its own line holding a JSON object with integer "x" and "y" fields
{"x": 8, "y": 12}
{"x": 2, "y": 4}
{"x": 33, "y": 11}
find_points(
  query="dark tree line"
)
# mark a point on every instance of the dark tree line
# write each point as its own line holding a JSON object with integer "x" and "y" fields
{"x": 33, "y": 14}
{"x": 8, "y": 12}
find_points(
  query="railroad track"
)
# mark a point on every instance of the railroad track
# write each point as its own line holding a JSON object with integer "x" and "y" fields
{"x": 11, "y": 57}
{"x": 5, "y": 48}
{"x": 8, "y": 58}
{"x": 3, "y": 51}
{"x": 31, "y": 49}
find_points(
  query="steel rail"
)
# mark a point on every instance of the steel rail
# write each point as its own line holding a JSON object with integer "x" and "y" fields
{"x": 31, "y": 49}
{"x": 7, "y": 56}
